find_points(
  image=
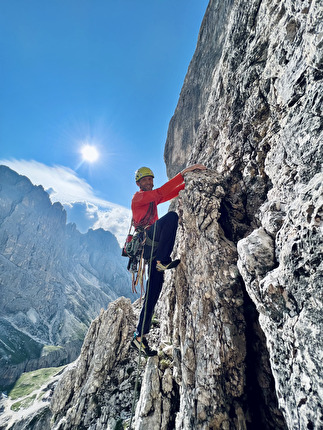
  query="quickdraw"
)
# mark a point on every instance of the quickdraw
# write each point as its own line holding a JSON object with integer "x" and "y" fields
{"x": 137, "y": 267}
{"x": 134, "y": 249}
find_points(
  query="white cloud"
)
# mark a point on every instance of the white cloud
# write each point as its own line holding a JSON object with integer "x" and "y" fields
{"x": 82, "y": 205}
{"x": 63, "y": 183}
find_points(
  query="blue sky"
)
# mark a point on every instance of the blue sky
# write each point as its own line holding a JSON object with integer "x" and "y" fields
{"x": 102, "y": 72}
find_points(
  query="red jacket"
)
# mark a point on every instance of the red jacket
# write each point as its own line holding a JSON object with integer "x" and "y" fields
{"x": 144, "y": 203}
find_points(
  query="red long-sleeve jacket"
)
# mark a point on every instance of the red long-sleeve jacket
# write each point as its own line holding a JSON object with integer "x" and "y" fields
{"x": 144, "y": 203}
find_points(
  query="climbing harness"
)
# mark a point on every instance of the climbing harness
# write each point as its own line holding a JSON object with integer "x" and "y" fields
{"x": 134, "y": 249}
{"x": 142, "y": 329}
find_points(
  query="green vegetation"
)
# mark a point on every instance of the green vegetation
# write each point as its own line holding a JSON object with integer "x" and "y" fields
{"x": 47, "y": 349}
{"x": 28, "y": 382}
{"x": 24, "y": 403}
{"x": 164, "y": 363}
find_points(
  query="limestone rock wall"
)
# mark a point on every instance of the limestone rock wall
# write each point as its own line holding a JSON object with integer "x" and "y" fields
{"x": 255, "y": 120}
{"x": 206, "y": 314}
{"x": 220, "y": 363}
{"x": 109, "y": 386}
{"x": 289, "y": 300}
{"x": 96, "y": 390}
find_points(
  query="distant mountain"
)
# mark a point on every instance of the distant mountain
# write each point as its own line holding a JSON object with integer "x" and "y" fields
{"x": 53, "y": 279}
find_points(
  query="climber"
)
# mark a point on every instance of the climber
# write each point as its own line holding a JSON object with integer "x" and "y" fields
{"x": 160, "y": 235}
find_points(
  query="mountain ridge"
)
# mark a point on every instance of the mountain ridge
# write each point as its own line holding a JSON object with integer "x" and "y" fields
{"x": 53, "y": 279}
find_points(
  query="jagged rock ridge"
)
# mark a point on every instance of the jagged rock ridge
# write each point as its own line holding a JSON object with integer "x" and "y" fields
{"x": 53, "y": 279}
{"x": 96, "y": 387}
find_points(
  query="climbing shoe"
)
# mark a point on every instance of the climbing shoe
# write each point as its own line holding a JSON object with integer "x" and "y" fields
{"x": 165, "y": 266}
{"x": 143, "y": 345}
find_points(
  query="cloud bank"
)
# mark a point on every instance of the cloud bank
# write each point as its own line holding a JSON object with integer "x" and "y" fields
{"x": 83, "y": 207}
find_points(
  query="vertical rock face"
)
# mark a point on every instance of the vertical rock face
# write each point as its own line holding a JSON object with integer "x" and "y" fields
{"x": 205, "y": 313}
{"x": 220, "y": 362}
{"x": 252, "y": 103}
{"x": 289, "y": 300}
{"x": 53, "y": 279}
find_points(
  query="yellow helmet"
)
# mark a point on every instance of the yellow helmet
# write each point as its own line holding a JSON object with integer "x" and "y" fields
{"x": 142, "y": 173}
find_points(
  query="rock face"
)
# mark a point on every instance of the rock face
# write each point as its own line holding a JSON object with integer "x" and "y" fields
{"x": 251, "y": 110}
{"x": 220, "y": 362}
{"x": 99, "y": 390}
{"x": 53, "y": 279}
{"x": 240, "y": 333}
{"x": 96, "y": 390}
{"x": 284, "y": 278}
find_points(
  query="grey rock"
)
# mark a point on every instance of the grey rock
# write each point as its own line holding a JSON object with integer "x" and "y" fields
{"x": 251, "y": 110}
{"x": 38, "y": 420}
{"x": 53, "y": 279}
{"x": 96, "y": 390}
{"x": 289, "y": 299}
{"x": 204, "y": 317}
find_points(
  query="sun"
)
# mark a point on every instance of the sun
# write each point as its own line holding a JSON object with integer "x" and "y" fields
{"x": 89, "y": 153}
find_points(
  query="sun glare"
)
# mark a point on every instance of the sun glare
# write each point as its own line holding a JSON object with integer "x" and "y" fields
{"x": 89, "y": 153}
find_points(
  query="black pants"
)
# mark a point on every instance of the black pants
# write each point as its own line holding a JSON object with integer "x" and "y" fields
{"x": 165, "y": 234}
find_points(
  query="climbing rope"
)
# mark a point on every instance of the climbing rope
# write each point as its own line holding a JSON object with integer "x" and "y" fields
{"x": 142, "y": 330}
{"x": 140, "y": 273}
